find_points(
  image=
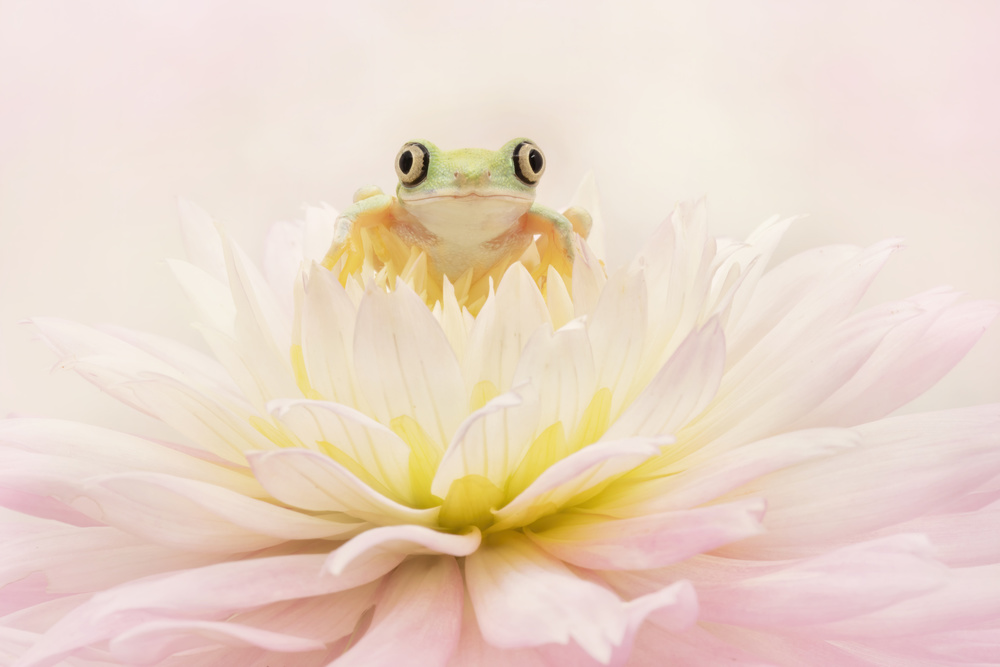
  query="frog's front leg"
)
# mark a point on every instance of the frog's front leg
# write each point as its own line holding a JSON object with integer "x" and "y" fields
{"x": 371, "y": 207}
{"x": 543, "y": 220}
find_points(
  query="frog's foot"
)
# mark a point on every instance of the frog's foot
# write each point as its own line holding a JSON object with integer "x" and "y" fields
{"x": 581, "y": 220}
{"x": 542, "y": 220}
{"x": 370, "y": 207}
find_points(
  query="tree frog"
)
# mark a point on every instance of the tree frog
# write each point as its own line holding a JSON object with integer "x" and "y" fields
{"x": 466, "y": 209}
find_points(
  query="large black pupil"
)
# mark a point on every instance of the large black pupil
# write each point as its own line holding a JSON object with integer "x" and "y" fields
{"x": 535, "y": 160}
{"x": 406, "y": 162}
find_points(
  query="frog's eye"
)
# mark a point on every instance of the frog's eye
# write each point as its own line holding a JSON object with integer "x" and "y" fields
{"x": 412, "y": 163}
{"x": 529, "y": 163}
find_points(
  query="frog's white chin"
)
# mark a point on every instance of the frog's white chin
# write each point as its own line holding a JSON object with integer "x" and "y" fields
{"x": 468, "y": 220}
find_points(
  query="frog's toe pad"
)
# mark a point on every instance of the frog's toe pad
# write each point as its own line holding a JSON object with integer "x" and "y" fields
{"x": 580, "y": 219}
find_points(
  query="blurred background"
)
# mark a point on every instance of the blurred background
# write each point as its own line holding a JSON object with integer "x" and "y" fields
{"x": 875, "y": 119}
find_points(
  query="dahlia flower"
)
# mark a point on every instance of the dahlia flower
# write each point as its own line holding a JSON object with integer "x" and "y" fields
{"x": 685, "y": 461}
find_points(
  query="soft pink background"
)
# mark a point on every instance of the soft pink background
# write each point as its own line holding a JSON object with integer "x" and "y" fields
{"x": 875, "y": 118}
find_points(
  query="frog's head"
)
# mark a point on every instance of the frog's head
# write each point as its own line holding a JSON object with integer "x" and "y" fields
{"x": 470, "y": 193}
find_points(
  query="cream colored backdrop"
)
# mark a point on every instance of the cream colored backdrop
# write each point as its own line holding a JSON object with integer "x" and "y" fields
{"x": 874, "y": 118}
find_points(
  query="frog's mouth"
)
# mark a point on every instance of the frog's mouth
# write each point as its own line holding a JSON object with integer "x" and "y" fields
{"x": 465, "y": 195}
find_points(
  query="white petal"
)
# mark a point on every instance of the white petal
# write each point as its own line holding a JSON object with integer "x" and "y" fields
{"x": 374, "y": 447}
{"x": 326, "y": 337}
{"x": 490, "y": 440}
{"x": 319, "y": 224}
{"x": 262, "y": 330}
{"x": 187, "y": 514}
{"x": 404, "y": 540}
{"x": 312, "y": 481}
{"x": 587, "y": 198}
{"x": 219, "y": 429}
{"x": 188, "y": 362}
{"x": 502, "y": 329}
{"x": 577, "y": 473}
{"x": 678, "y": 262}
{"x": 753, "y": 259}
{"x": 107, "y": 451}
{"x": 588, "y": 280}
{"x": 616, "y": 330}
{"x": 681, "y": 389}
{"x": 405, "y": 365}
{"x": 211, "y": 298}
{"x": 557, "y": 298}
{"x": 695, "y": 480}
{"x": 283, "y": 255}
{"x": 560, "y": 366}
{"x": 202, "y": 242}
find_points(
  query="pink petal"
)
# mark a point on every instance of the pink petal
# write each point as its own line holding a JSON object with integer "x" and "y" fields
{"x": 905, "y": 467}
{"x": 762, "y": 400}
{"x": 695, "y": 646}
{"x": 151, "y": 642}
{"x": 210, "y": 593}
{"x": 75, "y": 560}
{"x": 814, "y": 289}
{"x": 417, "y": 617}
{"x": 655, "y": 540}
{"x": 844, "y": 583}
{"x": 969, "y": 599}
{"x": 960, "y": 540}
{"x": 909, "y": 360}
{"x": 403, "y": 540}
{"x": 524, "y": 598}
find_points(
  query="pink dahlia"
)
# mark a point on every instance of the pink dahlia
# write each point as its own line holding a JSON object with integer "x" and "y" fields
{"x": 687, "y": 462}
